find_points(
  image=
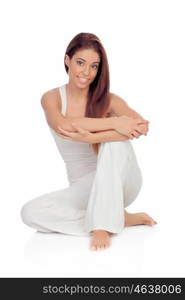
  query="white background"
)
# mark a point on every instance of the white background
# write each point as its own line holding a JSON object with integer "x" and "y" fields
{"x": 144, "y": 41}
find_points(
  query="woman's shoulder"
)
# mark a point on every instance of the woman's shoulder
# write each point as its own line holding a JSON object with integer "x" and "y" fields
{"x": 114, "y": 98}
{"x": 50, "y": 93}
{"x": 117, "y": 104}
{"x": 51, "y": 98}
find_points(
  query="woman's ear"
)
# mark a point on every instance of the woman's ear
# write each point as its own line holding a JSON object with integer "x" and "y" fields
{"x": 67, "y": 60}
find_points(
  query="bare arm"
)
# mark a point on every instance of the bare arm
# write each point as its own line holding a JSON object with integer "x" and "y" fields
{"x": 133, "y": 114}
{"x": 85, "y": 136}
{"x": 55, "y": 119}
{"x": 120, "y": 107}
{"x": 90, "y": 124}
{"x": 106, "y": 136}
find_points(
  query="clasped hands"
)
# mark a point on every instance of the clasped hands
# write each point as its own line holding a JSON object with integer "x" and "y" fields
{"x": 132, "y": 128}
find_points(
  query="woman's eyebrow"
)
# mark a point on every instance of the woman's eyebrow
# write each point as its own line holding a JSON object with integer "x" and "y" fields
{"x": 85, "y": 60}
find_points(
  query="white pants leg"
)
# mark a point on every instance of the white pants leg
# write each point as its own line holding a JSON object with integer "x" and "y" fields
{"x": 116, "y": 184}
{"x": 95, "y": 201}
{"x": 60, "y": 211}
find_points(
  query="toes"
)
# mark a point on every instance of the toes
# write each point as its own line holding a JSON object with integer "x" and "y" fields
{"x": 99, "y": 246}
{"x": 151, "y": 222}
{"x": 107, "y": 245}
{"x": 102, "y": 246}
{"x": 154, "y": 222}
{"x": 93, "y": 247}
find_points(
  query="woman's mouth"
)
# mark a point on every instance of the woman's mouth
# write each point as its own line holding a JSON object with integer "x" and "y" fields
{"x": 82, "y": 79}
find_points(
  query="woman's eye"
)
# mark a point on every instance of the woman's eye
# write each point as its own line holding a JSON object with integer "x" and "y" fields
{"x": 79, "y": 62}
{"x": 95, "y": 67}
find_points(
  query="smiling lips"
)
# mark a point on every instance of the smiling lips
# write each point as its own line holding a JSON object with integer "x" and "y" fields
{"x": 82, "y": 79}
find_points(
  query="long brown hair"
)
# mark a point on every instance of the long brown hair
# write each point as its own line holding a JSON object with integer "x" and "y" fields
{"x": 98, "y": 99}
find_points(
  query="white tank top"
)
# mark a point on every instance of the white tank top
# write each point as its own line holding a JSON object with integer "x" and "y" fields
{"x": 79, "y": 157}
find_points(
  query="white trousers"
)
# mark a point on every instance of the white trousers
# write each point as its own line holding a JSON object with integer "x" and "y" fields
{"x": 96, "y": 201}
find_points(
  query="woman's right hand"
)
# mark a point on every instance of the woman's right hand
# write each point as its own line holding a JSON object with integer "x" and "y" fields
{"x": 130, "y": 127}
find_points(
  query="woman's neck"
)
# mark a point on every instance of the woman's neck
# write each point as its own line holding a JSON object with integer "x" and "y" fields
{"x": 76, "y": 94}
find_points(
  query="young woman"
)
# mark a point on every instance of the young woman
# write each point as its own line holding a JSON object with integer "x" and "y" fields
{"x": 92, "y": 129}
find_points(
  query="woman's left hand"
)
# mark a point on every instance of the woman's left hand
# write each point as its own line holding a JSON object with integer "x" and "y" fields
{"x": 82, "y": 135}
{"x": 144, "y": 128}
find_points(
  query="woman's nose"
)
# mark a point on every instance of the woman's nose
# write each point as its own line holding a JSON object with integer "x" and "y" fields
{"x": 86, "y": 71}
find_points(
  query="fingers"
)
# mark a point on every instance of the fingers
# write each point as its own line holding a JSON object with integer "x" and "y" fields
{"x": 74, "y": 135}
{"x": 63, "y": 136}
{"x": 79, "y": 129}
{"x": 139, "y": 129}
{"x": 140, "y": 121}
{"x": 142, "y": 128}
{"x": 135, "y": 133}
{"x": 66, "y": 133}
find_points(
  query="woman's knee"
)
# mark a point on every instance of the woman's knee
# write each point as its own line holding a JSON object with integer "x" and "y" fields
{"x": 133, "y": 185}
{"x": 124, "y": 148}
{"x": 27, "y": 213}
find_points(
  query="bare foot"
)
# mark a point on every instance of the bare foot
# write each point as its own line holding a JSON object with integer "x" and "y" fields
{"x": 100, "y": 240}
{"x": 138, "y": 219}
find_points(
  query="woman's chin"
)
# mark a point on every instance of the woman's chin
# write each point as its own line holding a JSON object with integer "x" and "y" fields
{"x": 82, "y": 85}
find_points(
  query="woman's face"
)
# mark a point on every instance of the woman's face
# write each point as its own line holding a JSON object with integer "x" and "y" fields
{"x": 83, "y": 67}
